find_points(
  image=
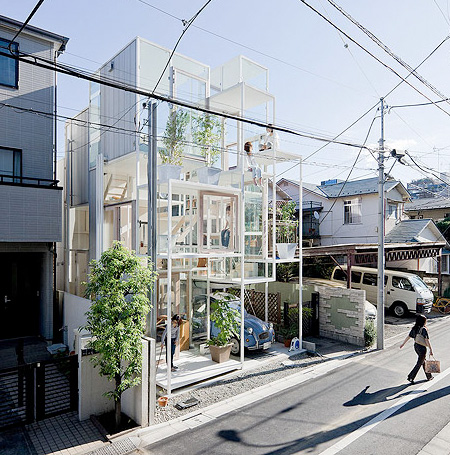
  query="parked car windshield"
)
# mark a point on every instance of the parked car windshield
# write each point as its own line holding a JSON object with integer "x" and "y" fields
{"x": 417, "y": 281}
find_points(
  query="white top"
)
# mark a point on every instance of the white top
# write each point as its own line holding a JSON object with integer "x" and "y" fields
{"x": 269, "y": 141}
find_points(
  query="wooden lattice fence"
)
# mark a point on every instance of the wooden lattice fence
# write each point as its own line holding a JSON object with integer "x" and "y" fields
{"x": 254, "y": 302}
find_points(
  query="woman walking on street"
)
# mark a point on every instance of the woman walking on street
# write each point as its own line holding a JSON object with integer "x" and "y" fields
{"x": 421, "y": 341}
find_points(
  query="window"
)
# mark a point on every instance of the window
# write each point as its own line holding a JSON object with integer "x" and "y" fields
{"x": 444, "y": 263}
{"x": 370, "y": 278}
{"x": 9, "y": 67}
{"x": 402, "y": 283}
{"x": 340, "y": 275}
{"x": 352, "y": 211}
{"x": 392, "y": 211}
{"x": 10, "y": 164}
{"x": 356, "y": 277}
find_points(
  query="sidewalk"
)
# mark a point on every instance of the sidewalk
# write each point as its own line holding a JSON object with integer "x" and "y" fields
{"x": 271, "y": 374}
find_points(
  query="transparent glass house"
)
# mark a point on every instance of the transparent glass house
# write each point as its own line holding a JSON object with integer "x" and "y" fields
{"x": 203, "y": 188}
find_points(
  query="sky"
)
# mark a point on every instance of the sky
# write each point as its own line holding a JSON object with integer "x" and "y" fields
{"x": 322, "y": 80}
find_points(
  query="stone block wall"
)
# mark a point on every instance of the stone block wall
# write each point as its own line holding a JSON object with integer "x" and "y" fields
{"x": 341, "y": 314}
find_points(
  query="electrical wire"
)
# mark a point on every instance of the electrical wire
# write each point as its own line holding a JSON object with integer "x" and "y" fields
{"x": 371, "y": 54}
{"x": 389, "y": 93}
{"x": 252, "y": 49}
{"x": 37, "y": 6}
{"x": 386, "y": 49}
{"x": 186, "y": 25}
{"x": 349, "y": 174}
{"x": 67, "y": 70}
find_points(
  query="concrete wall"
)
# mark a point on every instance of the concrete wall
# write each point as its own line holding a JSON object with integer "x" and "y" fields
{"x": 138, "y": 403}
{"x": 74, "y": 317}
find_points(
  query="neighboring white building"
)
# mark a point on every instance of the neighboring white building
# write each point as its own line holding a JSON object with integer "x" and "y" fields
{"x": 30, "y": 198}
{"x": 348, "y": 212}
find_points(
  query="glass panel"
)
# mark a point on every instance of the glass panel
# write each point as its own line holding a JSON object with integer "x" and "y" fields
{"x": 153, "y": 59}
{"x": 218, "y": 215}
{"x": 370, "y": 278}
{"x": 339, "y": 275}
{"x": 190, "y": 66}
{"x": 9, "y": 68}
{"x": 254, "y": 74}
{"x": 6, "y": 162}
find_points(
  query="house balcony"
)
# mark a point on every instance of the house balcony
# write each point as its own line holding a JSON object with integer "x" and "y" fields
{"x": 31, "y": 210}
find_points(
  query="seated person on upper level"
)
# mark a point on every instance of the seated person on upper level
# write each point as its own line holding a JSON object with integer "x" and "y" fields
{"x": 253, "y": 166}
{"x": 269, "y": 140}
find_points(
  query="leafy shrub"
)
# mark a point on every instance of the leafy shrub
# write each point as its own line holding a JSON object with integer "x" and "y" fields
{"x": 370, "y": 333}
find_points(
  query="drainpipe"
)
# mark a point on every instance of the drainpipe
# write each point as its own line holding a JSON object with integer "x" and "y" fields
{"x": 56, "y": 310}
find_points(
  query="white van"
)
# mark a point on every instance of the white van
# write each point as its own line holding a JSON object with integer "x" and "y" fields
{"x": 403, "y": 291}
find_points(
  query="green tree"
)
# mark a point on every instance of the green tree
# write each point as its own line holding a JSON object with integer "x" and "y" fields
{"x": 174, "y": 137}
{"x": 118, "y": 287}
{"x": 207, "y": 134}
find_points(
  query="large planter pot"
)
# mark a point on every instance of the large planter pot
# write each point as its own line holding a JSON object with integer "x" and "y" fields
{"x": 209, "y": 175}
{"x": 168, "y": 172}
{"x": 286, "y": 250}
{"x": 220, "y": 354}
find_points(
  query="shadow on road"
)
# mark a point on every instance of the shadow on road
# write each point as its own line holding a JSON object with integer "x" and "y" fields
{"x": 365, "y": 397}
{"x": 322, "y": 437}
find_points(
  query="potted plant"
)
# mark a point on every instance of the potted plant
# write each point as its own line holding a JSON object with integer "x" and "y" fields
{"x": 226, "y": 321}
{"x": 174, "y": 136}
{"x": 286, "y": 231}
{"x": 207, "y": 134}
{"x": 289, "y": 332}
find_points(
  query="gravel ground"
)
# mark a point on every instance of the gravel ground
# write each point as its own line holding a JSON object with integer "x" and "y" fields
{"x": 238, "y": 383}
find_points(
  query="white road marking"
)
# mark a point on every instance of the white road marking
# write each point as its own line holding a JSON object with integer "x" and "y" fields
{"x": 382, "y": 416}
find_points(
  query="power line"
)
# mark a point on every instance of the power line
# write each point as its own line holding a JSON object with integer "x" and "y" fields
{"x": 386, "y": 49}
{"x": 389, "y": 93}
{"x": 252, "y": 49}
{"x": 370, "y": 53}
{"x": 350, "y": 172}
{"x": 186, "y": 25}
{"x": 67, "y": 70}
{"x": 37, "y": 6}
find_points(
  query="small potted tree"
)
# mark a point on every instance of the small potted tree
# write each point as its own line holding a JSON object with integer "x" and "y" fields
{"x": 174, "y": 137}
{"x": 207, "y": 134}
{"x": 226, "y": 322}
{"x": 286, "y": 231}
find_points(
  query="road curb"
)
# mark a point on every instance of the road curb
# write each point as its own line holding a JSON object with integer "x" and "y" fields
{"x": 159, "y": 432}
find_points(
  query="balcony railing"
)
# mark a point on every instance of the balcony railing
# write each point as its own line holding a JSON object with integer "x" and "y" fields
{"x": 28, "y": 181}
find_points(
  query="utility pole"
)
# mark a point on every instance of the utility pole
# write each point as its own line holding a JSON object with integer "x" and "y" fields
{"x": 152, "y": 208}
{"x": 381, "y": 264}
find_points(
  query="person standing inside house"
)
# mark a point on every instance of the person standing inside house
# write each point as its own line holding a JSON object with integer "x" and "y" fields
{"x": 270, "y": 140}
{"x": 225, "y": 234}
{"x": 253, "y": 166}
{"x": 174, "y": 337}
{"x": 421, "y": 342}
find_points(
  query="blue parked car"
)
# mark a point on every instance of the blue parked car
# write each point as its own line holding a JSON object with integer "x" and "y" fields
{"x": 257, "y": 334}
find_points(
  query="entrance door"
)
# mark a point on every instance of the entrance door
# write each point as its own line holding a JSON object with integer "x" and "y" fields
{"x": 19, "y": 294}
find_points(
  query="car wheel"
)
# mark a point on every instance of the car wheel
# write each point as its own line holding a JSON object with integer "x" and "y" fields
{"x": 235, "y": 346}
{"x": 399, "y": 309}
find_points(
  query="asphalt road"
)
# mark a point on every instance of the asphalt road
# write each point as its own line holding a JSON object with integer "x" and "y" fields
{"x": 366, "y": 407}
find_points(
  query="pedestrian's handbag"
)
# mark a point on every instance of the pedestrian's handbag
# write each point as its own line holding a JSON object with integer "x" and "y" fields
{"x": 420, "y": 339}
{"x": 432, "y": 366}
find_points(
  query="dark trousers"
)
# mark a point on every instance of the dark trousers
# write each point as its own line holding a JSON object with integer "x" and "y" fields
{"x": 225, "y": 237}
{"x": 172, "y": 350}
{"x": 421, "y": 354}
